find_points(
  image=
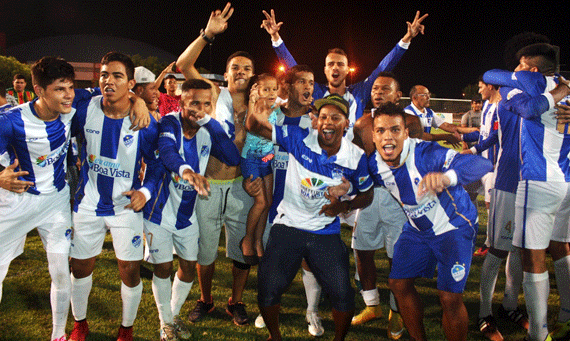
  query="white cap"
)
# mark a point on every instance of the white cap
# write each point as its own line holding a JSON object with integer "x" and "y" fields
{"x": 144, "y": 75}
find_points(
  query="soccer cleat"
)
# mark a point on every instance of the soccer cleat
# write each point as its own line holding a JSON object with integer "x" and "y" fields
{"x": 517, "y": 316}
{"x": 237, "y": 311}
{"x": 315, "y": 325}
{"x": 561, "y": 331}
{"x": 63, "y": 338}
{"x": 181, "y": 328}
{"x": 488, "y": 327}
{"x": 259, "y": 322}
{"x": 80, "y": 331}
{"x": 202, "y": 309}
{"x": 168, "y": 333}
{"x": 368, "y": 314}
{"x": 395, "y": 325}
{"x": 125, "y": 334}
{"x": 481, "y": 252}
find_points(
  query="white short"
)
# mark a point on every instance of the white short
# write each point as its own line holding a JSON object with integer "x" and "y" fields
{"x": 22, "y": 212}
{"x": 380, "y": 224}
{"x": 501, "y": 220}
{"x": 542, "y": 214}
{"x": 227, "y": 205}
{"x": 161, "y": 239}
{"x": 488, "y": 181}
{"x": 89, "y": 234}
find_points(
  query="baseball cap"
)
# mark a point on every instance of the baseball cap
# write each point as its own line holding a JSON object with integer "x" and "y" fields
{"x": 335, "y": 100}
{"x": 144, "y": 75}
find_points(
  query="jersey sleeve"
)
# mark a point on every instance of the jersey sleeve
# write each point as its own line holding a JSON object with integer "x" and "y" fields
{"x": 472, "y": 136}
{"x": 437, "y": 121}
{"x": 155, "y": 168}
{"x": 287, "y": 136}
{"x": 360, "y": 179}
{"x": 373, "y": 169}
{"x": 168, "y": 144}
{"x": 6, "y": 133}
{"x": 223, "y": 148}
{"x": 284, "y": 55}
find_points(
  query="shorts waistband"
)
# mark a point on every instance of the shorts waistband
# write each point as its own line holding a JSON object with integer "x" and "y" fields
{"x": 226, "y": 181}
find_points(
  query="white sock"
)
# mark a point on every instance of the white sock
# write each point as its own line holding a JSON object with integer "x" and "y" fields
{"x": 180, "y": 291}
{"x": 536, "y": 290}
{"x": 60, "y": 293}
{"x": 371, "y": 297}
{"x": 80, "y": 289}
{"x": 489, "y": 273}
{"x": 562, "y": 272}
{"x": 312, "y": 290}
{"x": 393, "y": 304}
{"x": 514, "y": 278}
{"x": 131, "y": 299}
{"x": 3, "y": 273}
{"x": 161, "y": 290}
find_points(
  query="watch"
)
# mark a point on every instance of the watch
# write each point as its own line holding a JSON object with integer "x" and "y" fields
{"x": 206, "y": 38}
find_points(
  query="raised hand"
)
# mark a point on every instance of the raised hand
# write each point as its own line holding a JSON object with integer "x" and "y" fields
{"x": 415, "y": 27}
{"x": 271, "y": 25}
{"x": 218, "y": 21}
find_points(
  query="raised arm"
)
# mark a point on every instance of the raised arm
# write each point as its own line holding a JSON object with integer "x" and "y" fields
{"x": 272, "y": 28}
{"x": 160, "y": 77}
{"x": 217, "y": 24}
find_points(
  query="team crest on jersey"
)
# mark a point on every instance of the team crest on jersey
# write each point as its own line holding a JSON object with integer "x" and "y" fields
{"x": 128, "y": 140}
{"x": 68, "y": 233}
{"x": 416, "y": 181}
{"x": 205, "y": 151}
{"x": 313, "y": 188}
{"x": 137, "y": 240}
{"x": 458, "y": 272}
{"x": 508, "y": 226}
{"x": 337, "y": 173}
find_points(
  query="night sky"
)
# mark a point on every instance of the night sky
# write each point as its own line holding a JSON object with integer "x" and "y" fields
{"x": 462, "y": 40}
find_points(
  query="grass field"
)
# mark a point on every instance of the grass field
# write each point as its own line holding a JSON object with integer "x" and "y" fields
{"x": 25, "y": 311}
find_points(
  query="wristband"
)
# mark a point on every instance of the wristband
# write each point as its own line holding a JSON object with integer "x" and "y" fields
{"x": 206, "y": 38}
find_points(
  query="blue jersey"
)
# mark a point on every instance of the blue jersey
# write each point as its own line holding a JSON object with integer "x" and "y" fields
{"x": 487, "y": 137}
{"x": 280, "y": 162}
{"x": 310, "y": 172}
{"x": 428, "y": 119}
{"x": 111, "y": 160}
{"x": 172, "y": 204}
{"x": 450, "y": 209}
{"x": 545, "y": 144}
{"x": 357, "y": 94}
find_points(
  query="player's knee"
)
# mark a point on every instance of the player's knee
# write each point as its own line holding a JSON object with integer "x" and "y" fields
{"x": 342, "y": 298}
{"x": 241, "y": 266}
{"x": 451, "y": 301}
{"x": 163, "y": 270}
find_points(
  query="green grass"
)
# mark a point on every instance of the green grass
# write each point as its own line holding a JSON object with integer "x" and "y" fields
{"x": 25, "y": 311}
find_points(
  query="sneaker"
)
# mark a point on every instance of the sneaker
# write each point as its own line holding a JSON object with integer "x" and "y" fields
{"x": 168, "y": 333}
{"x": 368, "y": 314}
{"x": 180, "y": 328}
{"x": 63, "y": 338}
{"x": 481, "y": 252}
{"x": 488, "y": 326}
{"x": 517, "y": 316}
{"x": 237, "y": 311}
{"x": 202, "y": 309}
{"x": 561, "y": 331}
{"x": 125, "y": 334}
{"x": 395, "y": 325}
{"x": 80, "y": 331}
{"x": 315, "y": 325}
{"x": 259, "y": 322}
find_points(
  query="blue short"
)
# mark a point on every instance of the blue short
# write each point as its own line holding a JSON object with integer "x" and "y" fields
{"x": 417, "y": 253}
{"x": 258, "y": 167}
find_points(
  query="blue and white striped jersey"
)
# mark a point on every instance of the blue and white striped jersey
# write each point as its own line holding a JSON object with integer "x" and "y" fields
{"x": 172, "y": 204}
{"x": 451, "y": 208}
{"x": 357, "y": 94}
{"x": 111, "y": 160}
{"x": 428, "y": 119}
{"x": 310, "y": 172}
{"x": 545, "y": 144}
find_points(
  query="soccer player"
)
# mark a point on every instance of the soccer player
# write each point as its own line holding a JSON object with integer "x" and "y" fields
{"x": 34, "y": 193}
{"x": 186, "y": 141}
{"x": 228, "y": 203}
{"x": 336, "y": 66}
{"x": 319, "y": 160}
{"x": 426, "y": 178}
{"x": 542, "y": 216}
{"x": 110, "y": 193}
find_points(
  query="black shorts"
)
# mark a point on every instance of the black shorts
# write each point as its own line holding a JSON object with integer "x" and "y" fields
{"x": 326, "y": 255}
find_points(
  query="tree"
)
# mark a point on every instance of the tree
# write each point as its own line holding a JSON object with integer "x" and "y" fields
{"x": 470, "y": 91}
{"x": 152, "y": 63}
{"x": 9, "y": 66}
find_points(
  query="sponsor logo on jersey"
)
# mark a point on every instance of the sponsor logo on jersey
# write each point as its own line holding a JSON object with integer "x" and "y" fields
{"x": 306, "y": 158}
{"x": 280, "y": 160}
{"x": 458, "y": 272}
{"x": 180, "y": 183}
{"x": 205, "y": 151}
{"x": 92, "y": 131}
{"x": 419, "y": 211}
{"x": 128, "y": 140}
{"x": 362, "y": 179}
{"x": 137, "y": 240}
{"x": 449, "y": 158}
{"x": 313, "y": 188}
{"x": 167, "y": 134}
{"x": 46, "y": 160}
{"x": 107, "y": 168}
